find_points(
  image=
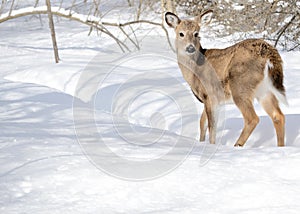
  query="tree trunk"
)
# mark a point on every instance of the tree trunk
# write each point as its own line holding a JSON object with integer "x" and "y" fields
{"x": 171, "y": 6}
{"x": 51, "y": 25}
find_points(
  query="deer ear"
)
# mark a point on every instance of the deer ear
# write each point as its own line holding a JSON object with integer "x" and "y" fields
{"x": 204, "y": 18}
{"x": 172, "y": 20}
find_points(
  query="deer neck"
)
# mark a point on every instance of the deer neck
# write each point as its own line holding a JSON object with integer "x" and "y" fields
{"x": 196, "y": 71}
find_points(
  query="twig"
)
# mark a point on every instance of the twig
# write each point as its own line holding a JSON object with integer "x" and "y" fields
{"x": 139, "y": 9}
{"x": 133, "y": 32}
{"x": 269, "y": 13}
{"x": 280, "y": 33}
{"x": 121, "y": 44}
{"x": 296, "y": 46}
{"x": 131, "y": 40}
{"x": 131, "y": 23}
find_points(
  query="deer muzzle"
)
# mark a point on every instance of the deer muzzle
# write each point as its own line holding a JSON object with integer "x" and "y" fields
{"x": 190, "y": 49}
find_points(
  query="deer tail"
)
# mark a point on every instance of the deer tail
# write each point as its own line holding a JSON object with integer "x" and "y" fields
{"x": 275, "y": 73}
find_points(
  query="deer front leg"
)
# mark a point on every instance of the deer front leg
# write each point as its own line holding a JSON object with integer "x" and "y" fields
{"x": 210, "y": 113}
{"x": 203, "y": 125}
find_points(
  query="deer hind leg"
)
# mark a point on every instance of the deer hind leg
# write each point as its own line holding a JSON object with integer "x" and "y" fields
{"x": 271, "y": 106}
{"x": 203, "y": 125}
{"x": 250, "y": 119}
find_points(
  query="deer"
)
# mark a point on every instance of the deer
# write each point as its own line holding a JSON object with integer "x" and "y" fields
{"x": 239, "y": 74}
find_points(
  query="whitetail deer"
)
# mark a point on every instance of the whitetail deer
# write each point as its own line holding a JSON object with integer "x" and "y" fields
{"x": 240, "y": 73}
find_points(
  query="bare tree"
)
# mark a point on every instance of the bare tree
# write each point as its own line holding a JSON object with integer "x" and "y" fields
{"x": 51, "y": 25}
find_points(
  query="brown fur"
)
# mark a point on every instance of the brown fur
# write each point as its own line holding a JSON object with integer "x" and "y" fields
{"x": 235, "y": 73}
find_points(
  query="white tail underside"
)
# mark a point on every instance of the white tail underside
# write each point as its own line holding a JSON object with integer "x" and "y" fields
{"x": 266, "y": 87}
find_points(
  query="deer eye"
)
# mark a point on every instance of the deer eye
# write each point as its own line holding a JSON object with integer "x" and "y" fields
{"x": 181, "y": 34}
{"x": 196, "y": 34}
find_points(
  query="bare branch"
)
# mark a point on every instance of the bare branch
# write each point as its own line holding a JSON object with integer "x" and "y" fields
{"x": 131, "y": 40}
{"x": 92, "y": 21}
{"x": 280, "y": 33}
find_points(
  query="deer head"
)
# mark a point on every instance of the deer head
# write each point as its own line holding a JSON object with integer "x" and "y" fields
{"x": 187, "y": 32}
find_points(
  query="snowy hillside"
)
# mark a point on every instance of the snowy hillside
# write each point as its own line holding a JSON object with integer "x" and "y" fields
{"x": 135, "y": 117}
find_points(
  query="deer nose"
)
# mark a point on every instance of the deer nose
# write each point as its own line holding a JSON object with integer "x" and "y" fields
{"x": 190, "y": 49}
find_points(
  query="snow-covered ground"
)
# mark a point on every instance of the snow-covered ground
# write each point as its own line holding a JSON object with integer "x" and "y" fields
{"x": 53, "y": 115}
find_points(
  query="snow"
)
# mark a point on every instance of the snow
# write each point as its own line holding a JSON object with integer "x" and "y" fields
{"x": 141, "y": 110}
